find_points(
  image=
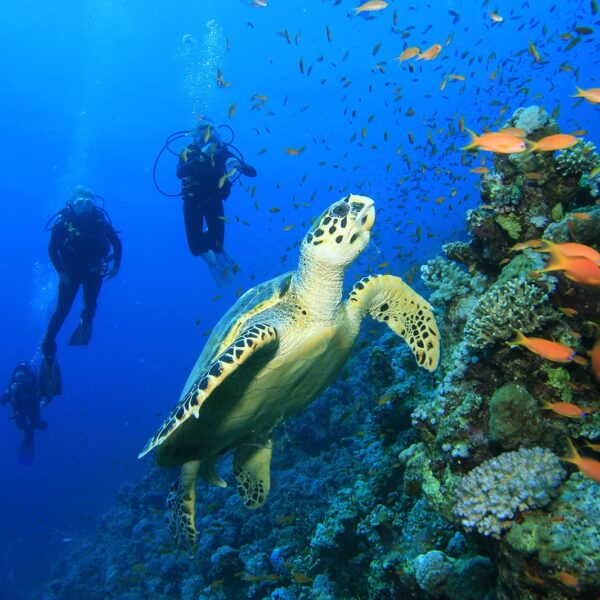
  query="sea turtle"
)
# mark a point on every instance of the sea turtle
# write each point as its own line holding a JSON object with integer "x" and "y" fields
{"x": 276, "y": 349}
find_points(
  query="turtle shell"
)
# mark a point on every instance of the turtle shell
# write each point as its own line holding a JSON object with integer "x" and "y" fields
{"x": 254, "y": 301}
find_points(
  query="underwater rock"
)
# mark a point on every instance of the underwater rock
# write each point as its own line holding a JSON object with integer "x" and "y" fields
{"x": 432, "y": 571}
{"x": 503, "y": 196}
{"x": 514, "y": 417}
{"x": 563, "y": 538}
{"x": 490, "y": 241}
{"x": 463, "y": 579}
{"x": 461, "y": 252}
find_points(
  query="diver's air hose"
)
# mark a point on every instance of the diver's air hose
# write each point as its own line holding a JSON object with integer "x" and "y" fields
{"x": 183, "y": 133}
{"x": 166, "y": 146}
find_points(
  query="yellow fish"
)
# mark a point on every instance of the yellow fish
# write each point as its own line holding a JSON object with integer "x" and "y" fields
{"x": 225, "y": 177}
{"x": 374, "y": 5}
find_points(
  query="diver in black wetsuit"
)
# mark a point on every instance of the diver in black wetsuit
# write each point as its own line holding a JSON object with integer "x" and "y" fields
{"x": 24, "y": 396}
{"x": 205, "y": 168}
{"x": 80, "y": 243}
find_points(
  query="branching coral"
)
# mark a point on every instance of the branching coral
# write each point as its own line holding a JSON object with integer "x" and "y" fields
{"x": 491, "y": 495}
{"x": 517, "y": 304}
{"x": 581, "y": 158}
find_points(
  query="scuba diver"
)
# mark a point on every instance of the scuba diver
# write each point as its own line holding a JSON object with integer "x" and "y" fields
{"x": 24, "y": 396}
{"x": 207, "y": 167}
{"x": 80, "y": 242}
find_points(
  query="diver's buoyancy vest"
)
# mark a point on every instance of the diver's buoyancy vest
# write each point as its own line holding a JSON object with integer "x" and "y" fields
{"x": 207, "y": 172}
{"x": 84, "y": 238}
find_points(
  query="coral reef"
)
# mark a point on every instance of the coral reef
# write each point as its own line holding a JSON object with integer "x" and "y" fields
{"x": 567, "y": 544}
{"x": 400, "y": 484}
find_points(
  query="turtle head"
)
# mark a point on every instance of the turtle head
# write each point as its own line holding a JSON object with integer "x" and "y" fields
{"x": 342, "y": 232}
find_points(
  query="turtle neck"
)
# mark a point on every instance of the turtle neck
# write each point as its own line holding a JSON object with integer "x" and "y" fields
{"x": 318, "y": 286}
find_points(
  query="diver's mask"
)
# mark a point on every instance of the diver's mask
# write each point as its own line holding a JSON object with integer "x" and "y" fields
{"x": 206, "y": 135}
{"x": 82, "y": 205}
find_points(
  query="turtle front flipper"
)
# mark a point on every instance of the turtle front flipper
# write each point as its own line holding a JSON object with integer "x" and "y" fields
{"x": 252, "y": 469}
{"x": 249, "y": 341}
{"x": 389, "y": 300}
{"x": 181, "y": 506}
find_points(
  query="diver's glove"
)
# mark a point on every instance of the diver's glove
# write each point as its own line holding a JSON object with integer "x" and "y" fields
{"x": 243, "y": 168}
{"x": 246, "y": 169}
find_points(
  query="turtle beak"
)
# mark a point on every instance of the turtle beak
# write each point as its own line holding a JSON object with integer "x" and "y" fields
{"x": 366, "y": 217}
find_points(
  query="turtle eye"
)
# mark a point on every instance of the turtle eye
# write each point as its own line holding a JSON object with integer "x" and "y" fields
{"x": 339, "y": 210}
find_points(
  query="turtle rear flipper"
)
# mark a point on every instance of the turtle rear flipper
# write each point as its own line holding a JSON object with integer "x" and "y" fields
{"x": 249, "y": 342}
{"x": 252, "y": 469}
{"x": 181, "y": 506}
{"x": 389, "y": 300}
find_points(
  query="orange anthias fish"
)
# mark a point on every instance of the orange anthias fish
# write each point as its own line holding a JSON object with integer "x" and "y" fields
{"x": 576, "y": 268}
{"x": 592, "y": 446}
{"x": 591, "y": 94}
{"x": 545, "y": 348}
{"x": 517, "y": 131}
{"x": 588, "y": 466}
{"x": 527, "y": 244}
{"x": 580, "y": 216}
{"x": 567, "y": 409}
{"x": 559, "y": 141}
{"x": 567, "y": 578}
{"x": 502, "y": 143}
{"x": 430, "y": 53}
{"x": 374, "y": 5}
{"x": 571, "y": 249}
{"x": 408, "y": 53}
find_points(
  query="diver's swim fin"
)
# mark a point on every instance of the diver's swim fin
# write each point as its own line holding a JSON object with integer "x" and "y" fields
{"x": 222, "y": 267}
{"x": 26, "y": 451}
{"x": 50, "y": 379}
{"x": 82, "y": 335}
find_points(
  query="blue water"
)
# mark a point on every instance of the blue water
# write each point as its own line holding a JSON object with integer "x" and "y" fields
{"x": 91, "y": 90}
